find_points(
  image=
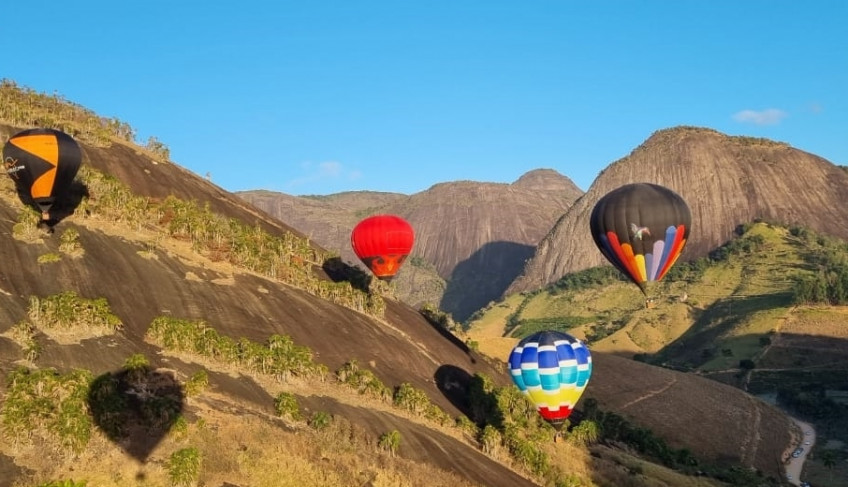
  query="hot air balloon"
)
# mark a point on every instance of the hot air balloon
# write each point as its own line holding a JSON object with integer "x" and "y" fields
{"x": 552, "y": 369}
{"x": 43, "y": 164}
{"x": 382, "y": 242}
{"x": 641, "y": 229}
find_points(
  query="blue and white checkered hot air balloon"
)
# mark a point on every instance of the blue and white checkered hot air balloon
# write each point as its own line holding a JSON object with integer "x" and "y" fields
{"x": 552, "y": 368}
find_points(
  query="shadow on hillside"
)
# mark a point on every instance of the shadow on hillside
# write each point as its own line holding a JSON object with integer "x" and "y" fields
{"x": 65, "y": 205}
{"x": 483, "y": 277}
{"x": 136, "y": 408}
{"x": 339, "y": 271}
{"x": 694, "y": 346}
{"x": 453, "y": 382}
{"x": 455, "y": 340}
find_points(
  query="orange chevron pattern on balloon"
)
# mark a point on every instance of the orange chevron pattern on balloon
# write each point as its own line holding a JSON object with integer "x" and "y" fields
{"x": 43, "y": 163}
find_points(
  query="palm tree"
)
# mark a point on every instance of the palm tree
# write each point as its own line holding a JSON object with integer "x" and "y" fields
{"x": 828, "y": 458}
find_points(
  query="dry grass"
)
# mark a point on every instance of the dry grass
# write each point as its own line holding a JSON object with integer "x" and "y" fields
{"x": 821, "y": 321}
{"x": 488, "y": 330}
{"x": 244, "y": 449}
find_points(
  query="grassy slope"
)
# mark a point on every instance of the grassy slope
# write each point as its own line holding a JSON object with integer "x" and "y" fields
{"x": 740, "y": 308}
{"x": 731, "y": 306}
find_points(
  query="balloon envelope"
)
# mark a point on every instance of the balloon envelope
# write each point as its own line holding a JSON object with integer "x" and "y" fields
{"x": 382, "y": 243}
{"x": 43, "y": 163}
{"x": 552, "y": 368}
{"x": 641, "y": 229}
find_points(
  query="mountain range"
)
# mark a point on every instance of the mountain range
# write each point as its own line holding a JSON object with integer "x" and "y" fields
{"x": 475, "y": 236}
{"x": 160, "y": 246}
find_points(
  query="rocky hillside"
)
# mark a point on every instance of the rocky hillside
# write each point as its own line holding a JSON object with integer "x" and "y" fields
{"x": 158, "y": 247}
{"x": 726, "y": 180}
{"x": 476, "y": 235}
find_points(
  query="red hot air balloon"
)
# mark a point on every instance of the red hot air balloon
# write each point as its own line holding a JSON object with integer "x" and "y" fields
{"x": 382, "y": 243}
{"x": 43, "y": 164}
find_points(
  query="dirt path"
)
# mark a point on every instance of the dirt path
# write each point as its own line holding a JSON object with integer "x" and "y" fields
{"x": 751, "y": 443}
{"x": 651, "y": 394}
{"x": 796, "y": 465}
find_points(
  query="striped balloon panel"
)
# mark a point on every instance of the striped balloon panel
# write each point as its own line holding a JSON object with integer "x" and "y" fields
{"x": 552, "y": 369}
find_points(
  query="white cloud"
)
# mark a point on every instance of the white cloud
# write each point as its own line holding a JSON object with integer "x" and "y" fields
{"x": 326, "y": 171}
{"x": 770, "y": 116}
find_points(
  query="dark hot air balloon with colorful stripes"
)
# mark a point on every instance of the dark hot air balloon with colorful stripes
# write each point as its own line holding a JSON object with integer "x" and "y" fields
{"x": 641, "y": 229}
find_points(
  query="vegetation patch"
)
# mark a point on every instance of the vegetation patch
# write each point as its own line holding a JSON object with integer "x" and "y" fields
{"x": 286, "y": 257}
{"x": 279, "y": 357}
{"x": 184, "y": 467}
{"x": 416, "y": 401}
{"x": 49, "y": 258}
{"x": 197, "y": 383}
{"x": 285, "y": 405}
{"x": 69, "y": 243}
{"x": 20, "y": 105}
{"x": 26, "y": 229}
{"x": 363, "y": 381}
{"x": 48, "y": 409}
{"x": 67, "y": 317}
{"x": 24, "y": 334}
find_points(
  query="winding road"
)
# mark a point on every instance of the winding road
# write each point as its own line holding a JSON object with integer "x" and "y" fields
{"x": 795, "y": 465}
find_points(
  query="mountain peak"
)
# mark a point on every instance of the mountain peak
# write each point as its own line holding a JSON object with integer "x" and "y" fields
{"x": 726, "y": 181}
{"x": 546, "y": 180}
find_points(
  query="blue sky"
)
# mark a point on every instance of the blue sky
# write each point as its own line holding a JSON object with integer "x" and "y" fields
{"x": 318, "y": 97}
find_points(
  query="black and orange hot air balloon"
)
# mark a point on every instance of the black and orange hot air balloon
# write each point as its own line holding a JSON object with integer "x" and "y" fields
{"x": 641, "y": 229}
{"x": 382, "y": 243}
{"x": 43, "y": 164}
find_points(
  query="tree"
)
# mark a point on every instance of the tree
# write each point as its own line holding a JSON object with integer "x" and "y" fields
{"x": 746, "y": 364}
{"x": 390, "y": 441}
{"x": 585, "y": 433}
{"x": 828, "y": 458}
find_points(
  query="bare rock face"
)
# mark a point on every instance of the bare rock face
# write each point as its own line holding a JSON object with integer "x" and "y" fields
{"x": 476, "y": 236}
{"x": 726, "y": 181}
{"x": 401, "y": 348}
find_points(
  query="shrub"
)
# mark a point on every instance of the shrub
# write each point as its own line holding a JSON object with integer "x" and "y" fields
{"x": 390, "y": 441}
{"x": 69, "y": 241}
{"x": 411, "y": 399}
{"x": 68, "y": 310}
{"x": 285, "y": 405}
{"x": 184, "y": 467}
{"x": 23, "y": 333}
{"x": 46, "y": 404}
{"x": 137, "y": 362}
{"x": 180, "y": 427}
{"x": 26, "y": 228}
{"x": 280, "y": 357}
{"x": 320, "y": 420}
{"x": 64, "y": 483}
{"x": 197, "y": 383}
{"x": 490, "y": 439}
{"x": 49, "y": 258}
{"x": 362, "y": 380}
{"x": 466, "y": 425}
